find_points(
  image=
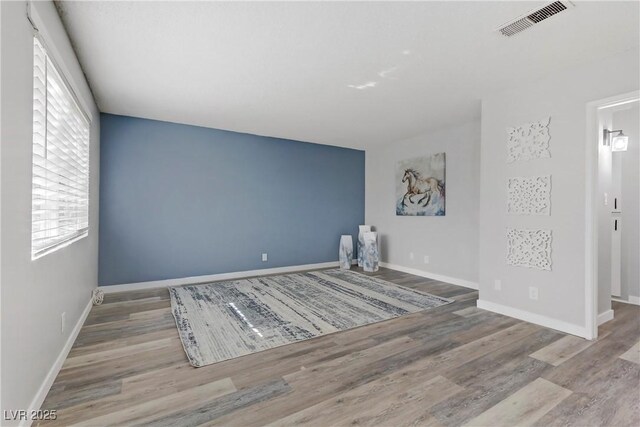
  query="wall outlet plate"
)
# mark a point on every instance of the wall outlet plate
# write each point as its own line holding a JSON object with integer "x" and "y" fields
{"x": 426, "y": 259}
{"x": 497, "y": 285}
{"x": 533, "y": 292}
{"x": 63, "y": 320}
{"x": 411, "y": 257}
{"x": 264, "y": 257}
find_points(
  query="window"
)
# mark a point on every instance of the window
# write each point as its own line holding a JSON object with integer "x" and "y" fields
{"x": 60, "y": 189}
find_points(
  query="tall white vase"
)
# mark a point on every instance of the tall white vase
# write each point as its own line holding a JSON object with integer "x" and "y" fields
{"x": 345, "y": 254}
{"x": 371, "y": 253}
{"x": 361, "y": 230}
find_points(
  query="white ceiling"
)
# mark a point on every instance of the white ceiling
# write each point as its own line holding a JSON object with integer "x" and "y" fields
{"x": 348, "y": 74}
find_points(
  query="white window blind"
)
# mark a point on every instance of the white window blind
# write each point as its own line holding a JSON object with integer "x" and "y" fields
{"x": 60, "y": 191}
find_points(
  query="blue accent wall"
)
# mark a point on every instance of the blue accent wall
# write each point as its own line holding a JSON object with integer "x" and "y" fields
{"x": 179, "y": 200}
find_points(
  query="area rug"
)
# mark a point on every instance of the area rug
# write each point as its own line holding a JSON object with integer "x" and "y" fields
{"x": 224, "y": 320}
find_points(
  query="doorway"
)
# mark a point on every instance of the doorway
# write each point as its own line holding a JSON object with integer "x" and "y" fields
{"x": 613, "y": 201}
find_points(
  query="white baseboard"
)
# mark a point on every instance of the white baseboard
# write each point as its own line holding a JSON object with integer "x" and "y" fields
{"x": 36, "y": 403}
{"x": 538, "y": 319}
{"x": 214, "y": 277}
{"x": 605, "y": 317}
{"x": 439, "y": 277}
{"x": 632, "y": 300}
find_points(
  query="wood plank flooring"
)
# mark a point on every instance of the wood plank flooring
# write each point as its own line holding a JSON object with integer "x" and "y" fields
{"x": 449, "y": 366}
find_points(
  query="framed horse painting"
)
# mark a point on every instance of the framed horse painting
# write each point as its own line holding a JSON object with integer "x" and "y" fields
{"x": 420, "y": 186}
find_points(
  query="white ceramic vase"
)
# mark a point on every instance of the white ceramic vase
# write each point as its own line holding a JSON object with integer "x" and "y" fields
{"x": 371, "y": 256}
{"x": 345, "y": 254}
{"x": 361, "y": 230}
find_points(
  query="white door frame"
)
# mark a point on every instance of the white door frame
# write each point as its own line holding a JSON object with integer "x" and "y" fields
{"x": 593, "y": 139}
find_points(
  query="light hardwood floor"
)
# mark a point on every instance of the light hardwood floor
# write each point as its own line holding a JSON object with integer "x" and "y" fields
{"x": 448, "y": 366}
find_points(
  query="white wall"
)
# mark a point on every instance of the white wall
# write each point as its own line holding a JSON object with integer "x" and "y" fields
{"x": 451, "y": 241}
{"x": 563, "y": 96}
{"x": 629, "y": 121}
{"x": 35, "y": 293}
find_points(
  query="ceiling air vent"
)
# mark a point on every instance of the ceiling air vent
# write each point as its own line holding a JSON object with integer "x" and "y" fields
{"x": 533, "y": 17}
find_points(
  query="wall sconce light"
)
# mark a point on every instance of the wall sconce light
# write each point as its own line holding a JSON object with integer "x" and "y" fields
{"x": 618, "y": 142}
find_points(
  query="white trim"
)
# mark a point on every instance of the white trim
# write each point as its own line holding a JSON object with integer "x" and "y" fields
{"x": 538, "y": 319}
{"x": 213, "y": 277}
{"x": 591, "y": 221}
{"x": 632, "y": 300}
{"x": 453, "y": 280}
{"x": 1, "y": 210}
{"x": 592, "y": 140}
{"x": 48, "y": 41}
{"x": 605, "y": 317}
{"x": 36, "y": 403}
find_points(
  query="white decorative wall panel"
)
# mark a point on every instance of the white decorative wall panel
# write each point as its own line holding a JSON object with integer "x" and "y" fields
{"x": 529, "y": 248}
{"x": 529, "y": 141}
{"x": 529, "y": 195}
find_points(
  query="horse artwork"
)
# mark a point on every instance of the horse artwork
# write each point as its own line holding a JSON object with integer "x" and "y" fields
{"x": 420, "y": 186}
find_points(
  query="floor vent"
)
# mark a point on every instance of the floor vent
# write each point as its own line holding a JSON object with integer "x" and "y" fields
{"x": 535, "y": 16}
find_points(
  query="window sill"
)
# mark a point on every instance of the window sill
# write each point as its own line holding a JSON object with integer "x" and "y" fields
{"x": 58, "y": 246}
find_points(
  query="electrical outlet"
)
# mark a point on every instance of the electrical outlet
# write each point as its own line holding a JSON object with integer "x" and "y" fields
{"x": 63, "y": 321}
{"x": 426, "y": 259}
{"x": 533, "y": 292}
{"x": 411, "y": 256}
{"x": 264, "y": 257}
{"x": 497, "y": 285}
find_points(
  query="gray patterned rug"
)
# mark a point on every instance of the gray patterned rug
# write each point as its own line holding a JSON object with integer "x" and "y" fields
{"x": 220, "y": 321}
